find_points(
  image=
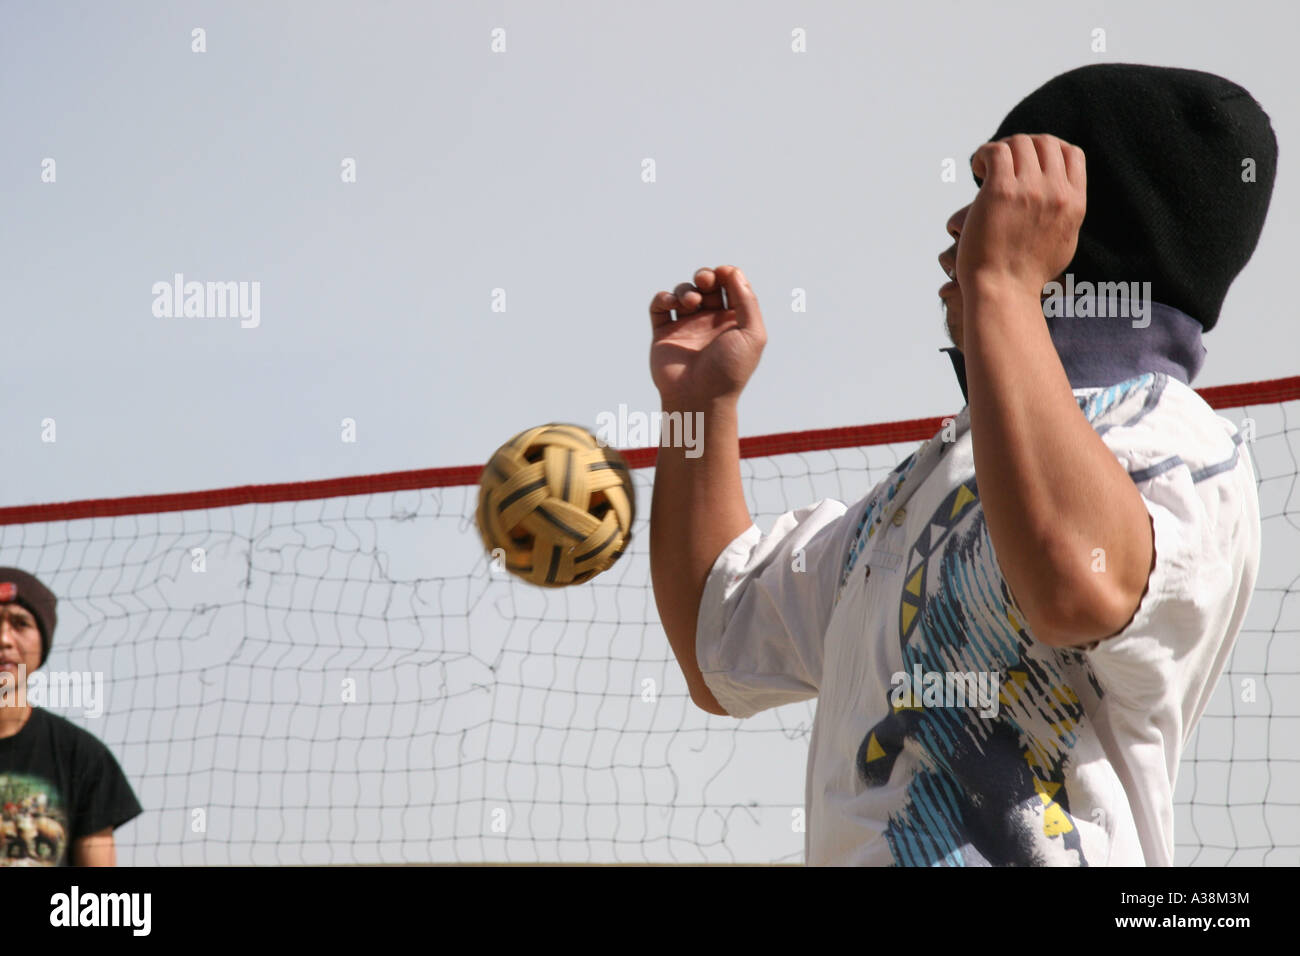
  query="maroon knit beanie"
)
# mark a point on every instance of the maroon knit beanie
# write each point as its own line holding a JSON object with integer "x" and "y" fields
{"x": 19, "y": 587}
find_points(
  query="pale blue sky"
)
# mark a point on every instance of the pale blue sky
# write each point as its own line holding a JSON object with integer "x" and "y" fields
{"x": 516, "y": 170}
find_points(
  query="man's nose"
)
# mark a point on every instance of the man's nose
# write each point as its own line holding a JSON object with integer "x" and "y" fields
{"x": 956, "y": 221}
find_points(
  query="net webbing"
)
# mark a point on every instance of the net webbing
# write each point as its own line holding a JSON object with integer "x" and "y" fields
{"x": 332, "y": 672}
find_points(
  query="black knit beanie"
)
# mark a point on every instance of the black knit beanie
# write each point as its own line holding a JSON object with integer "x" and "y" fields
{"x": 19, "y": 587}
{"x": 1167, "y": 202}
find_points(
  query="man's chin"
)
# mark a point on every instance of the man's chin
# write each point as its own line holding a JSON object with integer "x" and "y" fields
{"x": 952, "y": 322}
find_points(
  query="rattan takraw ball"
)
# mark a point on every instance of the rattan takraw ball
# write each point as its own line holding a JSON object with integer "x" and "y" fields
{"x": 557, "y": 504}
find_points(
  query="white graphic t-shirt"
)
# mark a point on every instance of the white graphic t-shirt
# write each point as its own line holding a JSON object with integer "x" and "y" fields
{"x": 945, "y": 734}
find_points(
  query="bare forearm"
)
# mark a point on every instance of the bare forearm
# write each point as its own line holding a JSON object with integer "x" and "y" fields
{"x": 97, "y": 849}
{"x": 698, "y": 508}
{"x": 1051, "y": 490}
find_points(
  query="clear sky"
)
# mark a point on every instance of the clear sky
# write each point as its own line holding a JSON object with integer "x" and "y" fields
{"x": 520, "y": 171}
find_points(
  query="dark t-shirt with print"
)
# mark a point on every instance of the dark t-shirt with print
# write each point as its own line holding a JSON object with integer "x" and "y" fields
{"x": 58, "y": 783}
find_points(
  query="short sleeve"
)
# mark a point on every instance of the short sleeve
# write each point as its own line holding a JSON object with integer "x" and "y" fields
{"x": 766, "y": 606}
{"x": 104, "y": 797}
{"x": 1199, "y": 489}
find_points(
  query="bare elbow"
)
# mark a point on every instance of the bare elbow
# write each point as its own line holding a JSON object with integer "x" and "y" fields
{"x": 703, "y": 698}
{"x": 1078, "y": 599}
{"x": 1082, "y": 616}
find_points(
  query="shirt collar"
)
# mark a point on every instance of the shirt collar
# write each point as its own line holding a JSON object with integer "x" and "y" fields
{"x": 1100, "y": 351}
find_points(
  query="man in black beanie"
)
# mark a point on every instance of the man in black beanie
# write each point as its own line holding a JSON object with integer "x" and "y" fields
{"x": 1014, "y": 634}
{"x": 1180, "y": 170}
{"x": 62, "y": 793}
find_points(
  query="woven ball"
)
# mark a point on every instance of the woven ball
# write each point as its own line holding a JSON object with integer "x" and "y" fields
{"x": 557, "y": 503}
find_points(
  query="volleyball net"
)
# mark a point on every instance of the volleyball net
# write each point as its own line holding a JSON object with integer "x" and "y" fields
{"x": 334, "y": 672}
